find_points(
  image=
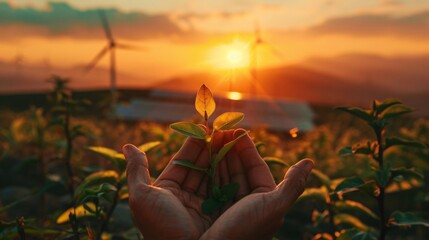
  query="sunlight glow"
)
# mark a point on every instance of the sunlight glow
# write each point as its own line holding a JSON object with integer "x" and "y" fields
{"x": 233, "y": 55}
{"x": 234, "y": 96}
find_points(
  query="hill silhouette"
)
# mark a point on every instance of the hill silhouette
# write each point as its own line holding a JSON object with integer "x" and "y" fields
{"x": 290, "y": 82}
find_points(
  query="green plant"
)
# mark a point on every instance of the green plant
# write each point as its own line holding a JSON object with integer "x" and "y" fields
{"x": 108, "y": 186}
{"x": 345, "y": 214}
{"x": 62, "y": 106}
{"x": 205, "y": 106}
{"x": 378, "y": 117}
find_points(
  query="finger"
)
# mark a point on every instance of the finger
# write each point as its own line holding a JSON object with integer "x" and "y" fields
{"x": 257, "y": 171}
{"x": 224, "y": 173}
{"x": 219, "y": 140}
{"x": 238, "y": 175}
{"x": 203, "y": 188}
{"x": 176, "y": 174}
{"x": 294, "y": 183}
{"x": 223, "y": 165}
{"x": 194, "y": 178}
{"x": 137, "y": 167}
{"x": 236, "y": 170}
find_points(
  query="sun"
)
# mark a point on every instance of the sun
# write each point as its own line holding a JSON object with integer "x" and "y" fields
{"x": 232, "y": 55}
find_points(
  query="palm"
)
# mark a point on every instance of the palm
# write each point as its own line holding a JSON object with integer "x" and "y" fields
{"x": 170, "y": 208}
{"x": 175, "y": 198}
{"x": 175, "y": 211}
{"x": 259, "y": 213}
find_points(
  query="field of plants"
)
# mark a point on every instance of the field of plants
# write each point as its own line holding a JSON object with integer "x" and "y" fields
{"x": 62, "y": 172}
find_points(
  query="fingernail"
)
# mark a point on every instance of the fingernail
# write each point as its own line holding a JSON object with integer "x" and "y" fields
{"x": 127, "y": 149}
{"x": 307, "y": 165}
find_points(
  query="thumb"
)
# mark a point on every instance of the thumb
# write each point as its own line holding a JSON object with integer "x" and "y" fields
{"x": 293, "y": 184}
{"x": 137, "y": 167}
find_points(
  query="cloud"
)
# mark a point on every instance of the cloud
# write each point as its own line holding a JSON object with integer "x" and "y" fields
{"x": 409, "y": 26}
{"x": 195, "y": 21}
{"x": 61, "y": 19}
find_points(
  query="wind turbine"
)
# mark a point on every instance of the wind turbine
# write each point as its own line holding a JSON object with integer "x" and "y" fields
{"x": 258, "y": 41}
{"x": 110, "y": 48}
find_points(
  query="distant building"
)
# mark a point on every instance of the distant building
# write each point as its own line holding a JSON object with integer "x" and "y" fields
{"x": 168, "y": 107}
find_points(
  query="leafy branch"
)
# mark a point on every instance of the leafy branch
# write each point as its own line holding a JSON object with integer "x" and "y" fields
{"x": 205, "y": 106}
{"x": 378, "y": 117}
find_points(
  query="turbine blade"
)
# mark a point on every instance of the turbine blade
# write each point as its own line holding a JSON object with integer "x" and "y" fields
{"x": 257, "y": 31}
{"x": 106, "y": 26}
{"x": 130, "y": 47}
{"x": 256, "y": 28}
{"x": 275, "y": 51}
{"x": 97, "y": 58}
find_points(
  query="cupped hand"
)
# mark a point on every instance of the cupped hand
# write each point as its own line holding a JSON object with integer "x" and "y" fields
{"x": 260, "y": 205}
{"x": 170, "y": 208}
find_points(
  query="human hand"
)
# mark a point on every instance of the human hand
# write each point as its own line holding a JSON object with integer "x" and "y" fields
{"x": 170, "y": 208}
{"x": 261, "y": 206}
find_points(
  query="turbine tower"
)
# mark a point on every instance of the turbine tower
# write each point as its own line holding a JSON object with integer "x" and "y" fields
{"x": 258, "y": 41}
{"x": 110, "y": 49}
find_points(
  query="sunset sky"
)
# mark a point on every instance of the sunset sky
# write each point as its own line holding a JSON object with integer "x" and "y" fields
{"x": 187, "y": 36}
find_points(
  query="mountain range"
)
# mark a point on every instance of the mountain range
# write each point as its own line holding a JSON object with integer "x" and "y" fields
{"x": 354, "y": 79}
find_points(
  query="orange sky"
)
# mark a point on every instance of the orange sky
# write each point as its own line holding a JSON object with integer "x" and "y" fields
{"x": 181, "y": 37}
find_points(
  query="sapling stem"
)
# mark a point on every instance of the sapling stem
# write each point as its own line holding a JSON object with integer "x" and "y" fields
{"x": 68, "y": 153}
{"x": 380, "y": 198}
{"x": 110, "y": 212}
{"x": 331, "y": 218}
{"x": 205, "y": 106}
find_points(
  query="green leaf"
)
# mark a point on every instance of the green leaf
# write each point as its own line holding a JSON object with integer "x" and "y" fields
{"x": 319, "y": 194}
{"x": 406, "y": 173}
{"x": 326, "y": 181}
{"x": 353, "y": 206}
{"x": 79, "y": 212}
{"x": 118, "y": 159}
{"x": 365, "y": 150}
{"x": 211, "y": 205}
{"x": 407, "y": 219}
{"x": 88, "y": 208}
{"x": 229, "y": 191}
{"x": 204, "y": 102}
{"x": 189, "y": 129}
{"x": 382, "y": 176}
{"x": 97, "y": 178}
{"x": 358, "y": 112}
{"x": 355, "y": 234}
{"x": 396, "y": 111}
{"x": 349, "y": 220}
{"x": 189, "y": 165}
{"x": 227, "y": 120}
{"x": 402, "y": 142}
{"x": 381, "y": 106}
{"x": 90, "y": 193}
{"x": 146, "y": 147}
{"x": 217, "y": 194}
{"x": 346, "y": 151}
{"x": 352, "y": 182}
{"x": 357, "y": 149}
{"x": 106, "y": 152}
{"x": 224, "y": 150}
{"x": 274, "y": 160}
